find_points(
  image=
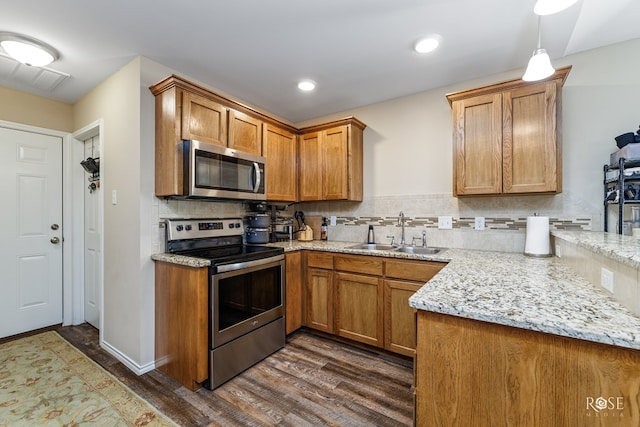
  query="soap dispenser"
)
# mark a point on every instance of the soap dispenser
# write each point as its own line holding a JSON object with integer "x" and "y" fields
{"x": 370, "y": 237}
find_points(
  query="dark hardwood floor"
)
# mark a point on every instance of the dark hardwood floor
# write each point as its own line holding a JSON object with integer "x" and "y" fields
{"x": 313, "y": 381}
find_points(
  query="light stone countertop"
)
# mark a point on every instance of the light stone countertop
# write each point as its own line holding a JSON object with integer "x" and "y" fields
{"x": 539, "y": 294}
{"x": 624, "y": 249}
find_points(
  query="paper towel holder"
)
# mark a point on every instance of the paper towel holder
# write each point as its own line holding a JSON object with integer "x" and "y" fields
{"x": 537, "y": 242}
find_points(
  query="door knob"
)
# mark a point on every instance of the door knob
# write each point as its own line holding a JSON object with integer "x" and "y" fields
{"x": 55, "y": 240}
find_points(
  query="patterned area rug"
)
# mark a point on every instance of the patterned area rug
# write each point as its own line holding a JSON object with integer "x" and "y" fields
{"x": 45, "y": 381}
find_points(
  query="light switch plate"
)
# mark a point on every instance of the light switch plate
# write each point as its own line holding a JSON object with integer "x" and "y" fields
{"x": 479, "y": 223}
{"x": 445, "y": 222}
{"x": 332, "y": 220}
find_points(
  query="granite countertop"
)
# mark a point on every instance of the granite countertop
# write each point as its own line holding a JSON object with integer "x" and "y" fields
{"x": 539, "y": 294}
{"x": 624, "y": 249}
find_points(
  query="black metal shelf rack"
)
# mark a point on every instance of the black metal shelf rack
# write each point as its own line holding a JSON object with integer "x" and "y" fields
{"x": 620, "y": 185}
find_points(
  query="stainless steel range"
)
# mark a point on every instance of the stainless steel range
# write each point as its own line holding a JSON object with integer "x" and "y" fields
{"x": 246, "y": 292}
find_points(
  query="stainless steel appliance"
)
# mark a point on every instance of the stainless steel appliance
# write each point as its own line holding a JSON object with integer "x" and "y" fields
{"x": 246, "y": 292}
{"x": 213, "y": 171}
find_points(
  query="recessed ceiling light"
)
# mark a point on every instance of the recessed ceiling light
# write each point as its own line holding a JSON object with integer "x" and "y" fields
{"x": 306, "y": 85}
{"x": 27, "y": 50}
{"x": 427, "y": 44}
{"x": 549, "y": 7}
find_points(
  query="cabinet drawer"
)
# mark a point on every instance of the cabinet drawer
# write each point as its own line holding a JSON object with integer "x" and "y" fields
{"x": 320, "y": 260}
{"x": 359, "y": 264}
{"x": 419, "y": 271}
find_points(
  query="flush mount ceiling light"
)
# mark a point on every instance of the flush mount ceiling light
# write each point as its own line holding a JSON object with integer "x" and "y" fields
{"x": 549, "y": 7}
{"x": 306, "y": 85}
{"x": 539, "y": 66}
{"x": 27, "y": 50}
{"x": 427, "y": 44}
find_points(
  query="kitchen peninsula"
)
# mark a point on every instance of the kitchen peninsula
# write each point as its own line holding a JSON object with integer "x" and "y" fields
{"x": 505, "y": 339}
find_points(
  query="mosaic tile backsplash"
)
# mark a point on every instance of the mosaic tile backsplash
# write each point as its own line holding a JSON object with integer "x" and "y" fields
{"x": 505, "y": 218}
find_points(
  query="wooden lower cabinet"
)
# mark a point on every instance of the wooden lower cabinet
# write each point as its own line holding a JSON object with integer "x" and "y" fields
{"x": 182, "y": 298}
{"x": 319, "y": 299}
{"x": 293, "y": 291}
{"x": 399, "y": 317}
{"x": 473, "y": 373}
{"x": 365, "y": 298}
{"x": 359, "y": 308}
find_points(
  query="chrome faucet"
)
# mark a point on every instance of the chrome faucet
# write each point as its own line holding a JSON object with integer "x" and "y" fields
{"x": 424, "y": 238}
{"x": 401, "y": 222}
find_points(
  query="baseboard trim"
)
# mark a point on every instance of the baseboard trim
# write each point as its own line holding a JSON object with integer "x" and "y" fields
{"x": 126, "y": 361}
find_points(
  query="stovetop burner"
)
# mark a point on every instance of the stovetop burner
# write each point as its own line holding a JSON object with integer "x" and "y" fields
{"x": 218, "y": 240}
{"x": 230, "y": 254}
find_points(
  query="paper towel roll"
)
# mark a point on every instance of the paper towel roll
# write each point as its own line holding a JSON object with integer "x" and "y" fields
{"x": 537, "y": 237}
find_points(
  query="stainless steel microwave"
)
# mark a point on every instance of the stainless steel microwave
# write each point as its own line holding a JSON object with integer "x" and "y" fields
{"x": 212, "y": 171}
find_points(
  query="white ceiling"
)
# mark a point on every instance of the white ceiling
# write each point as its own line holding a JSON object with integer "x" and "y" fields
{"x": 359, "y": 51}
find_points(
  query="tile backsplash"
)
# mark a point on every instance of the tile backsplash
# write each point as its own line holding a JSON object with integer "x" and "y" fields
{"x": 505, "y": 218}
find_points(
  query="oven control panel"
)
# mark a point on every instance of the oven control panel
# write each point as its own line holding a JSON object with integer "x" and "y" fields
{"x": 180, "y": 229}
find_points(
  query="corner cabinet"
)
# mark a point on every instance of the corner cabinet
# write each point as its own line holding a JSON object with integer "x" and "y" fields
{"x": 507, "y": 138}
{"x": 330, "y": 158}
{"x": 280, "y": 147}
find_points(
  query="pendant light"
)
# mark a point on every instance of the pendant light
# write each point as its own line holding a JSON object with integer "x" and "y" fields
{"x": 549, "y": 7}
{"x": 27, "y": 50}
{"x": 539, "y": 66}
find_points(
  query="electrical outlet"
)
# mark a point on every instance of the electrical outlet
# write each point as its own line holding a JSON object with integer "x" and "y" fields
{"x": 479, "y": 223}
{"x": 445, "y": 222}
{"x": 607, "y": 280}
{"x": 332, "y": 220}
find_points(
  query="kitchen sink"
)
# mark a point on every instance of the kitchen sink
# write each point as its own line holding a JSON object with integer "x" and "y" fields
{"x": 419, "y": 250}
{"x": 373, "y": 247}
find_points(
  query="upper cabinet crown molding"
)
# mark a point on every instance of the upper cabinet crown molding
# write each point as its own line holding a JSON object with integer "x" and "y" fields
{"x": 560, "y": 75}
{"x": 507, "y": 137}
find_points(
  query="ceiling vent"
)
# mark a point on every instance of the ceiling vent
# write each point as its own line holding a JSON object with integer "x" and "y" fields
{"x": 41, "y": 78}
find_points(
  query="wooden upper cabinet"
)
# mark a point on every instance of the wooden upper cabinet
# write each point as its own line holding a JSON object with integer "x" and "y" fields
{"x": 280, "y": 147}
{"x": 245, "y": 133}
{"x": 530, "y": 151}
{"x": 203, "y": 119}
{"x": 335, "y": 174}
{"x": 310, "y": 161}
{"x": 507, "y": 137}
{"x": 478, "y": 145}
{"x": 330, "y": 157}
{"x": 322, "y": 162}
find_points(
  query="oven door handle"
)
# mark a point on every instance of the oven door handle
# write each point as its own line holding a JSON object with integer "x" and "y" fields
{"x": 258, "y": 175}
{"x": 248, "y": 264}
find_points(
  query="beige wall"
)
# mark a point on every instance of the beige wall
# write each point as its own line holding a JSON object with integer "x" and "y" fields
{"x": 408, "y": 146}
{"x": 126, "y": 284}
{"x": 33, "y": 110}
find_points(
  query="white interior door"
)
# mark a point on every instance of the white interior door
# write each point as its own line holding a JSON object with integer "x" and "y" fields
{"x": 92, "y": 241}
{"x": 31, "y": 231}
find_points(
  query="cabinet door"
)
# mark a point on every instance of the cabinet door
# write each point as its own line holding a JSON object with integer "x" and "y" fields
{"x": 399, "y": 317}
{"x": 281, "y": 150}
{"x": 293, "y": 292}
{"x": 319, "y": 299}
{"x": 334, "y": 169}
{"x": 245, "y": 133}
{"x": 477, "y": 145}
{"x": 530, "y": 149}
{"x": 359, "y": 308}
{"x": 310, "y": 167}
{"x": 203, "y": 119}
